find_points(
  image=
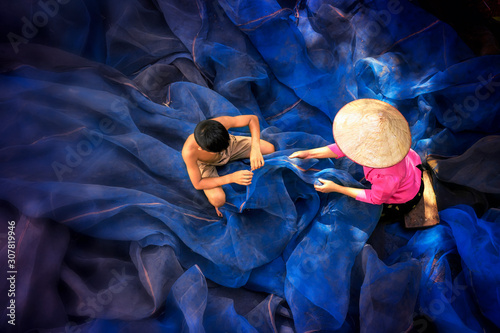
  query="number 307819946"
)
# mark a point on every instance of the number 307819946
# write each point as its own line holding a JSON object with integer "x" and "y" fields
{"x": 11, "y": 245}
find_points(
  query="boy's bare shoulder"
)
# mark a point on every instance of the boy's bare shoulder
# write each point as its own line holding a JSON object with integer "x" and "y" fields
{"x": 190, "y": 139}
{"x": 189, "y": 148}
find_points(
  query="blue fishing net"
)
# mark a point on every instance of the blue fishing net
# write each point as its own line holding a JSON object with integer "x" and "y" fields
{"x": 97, "y": 99}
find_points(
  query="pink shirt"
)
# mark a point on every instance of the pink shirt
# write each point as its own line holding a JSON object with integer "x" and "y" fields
{"x": 393, "y": 185}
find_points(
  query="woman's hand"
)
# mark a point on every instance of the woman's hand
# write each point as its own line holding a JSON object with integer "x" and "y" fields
{"x": 327, "y": 186}
{"x": 300, "y": 154}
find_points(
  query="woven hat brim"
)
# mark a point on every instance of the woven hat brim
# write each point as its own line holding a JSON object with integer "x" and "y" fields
{"x": 372, "y": 133}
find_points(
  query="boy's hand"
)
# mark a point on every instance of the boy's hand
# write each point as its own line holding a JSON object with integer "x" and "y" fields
{"x": 256, "y": 159}
{"x": 300, "y": 154}
{"x": 327, "y": 186}
{"x": 242, "y": 177}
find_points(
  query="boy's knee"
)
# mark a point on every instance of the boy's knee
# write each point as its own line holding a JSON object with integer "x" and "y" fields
{"x": 267, "y": 148}
{"x": 217, "y": 199}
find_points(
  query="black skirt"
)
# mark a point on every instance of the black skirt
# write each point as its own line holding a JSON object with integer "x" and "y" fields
{"x": 396, "y": 212}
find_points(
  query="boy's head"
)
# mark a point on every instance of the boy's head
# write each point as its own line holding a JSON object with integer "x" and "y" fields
{"x": 211, "y": 136}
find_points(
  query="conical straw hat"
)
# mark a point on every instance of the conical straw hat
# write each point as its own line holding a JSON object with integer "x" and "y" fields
{"x": 372, "y": 133}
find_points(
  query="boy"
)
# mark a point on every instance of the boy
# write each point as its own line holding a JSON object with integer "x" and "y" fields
{"x": 211, "y": 145}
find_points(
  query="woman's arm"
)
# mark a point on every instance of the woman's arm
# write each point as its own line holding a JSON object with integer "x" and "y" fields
{"x": 322, "y": 152}
{"x": 328, "y": 186}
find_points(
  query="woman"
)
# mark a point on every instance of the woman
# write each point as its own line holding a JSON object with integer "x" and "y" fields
{"x": 375, "y": 135}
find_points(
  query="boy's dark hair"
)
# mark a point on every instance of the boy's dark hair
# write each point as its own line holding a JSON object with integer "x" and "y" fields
{"x": 211, "y": 136}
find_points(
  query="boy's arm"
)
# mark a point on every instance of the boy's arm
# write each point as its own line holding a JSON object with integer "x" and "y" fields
{"x": 256, "y": 159}
{"x": 242, "y": 177}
